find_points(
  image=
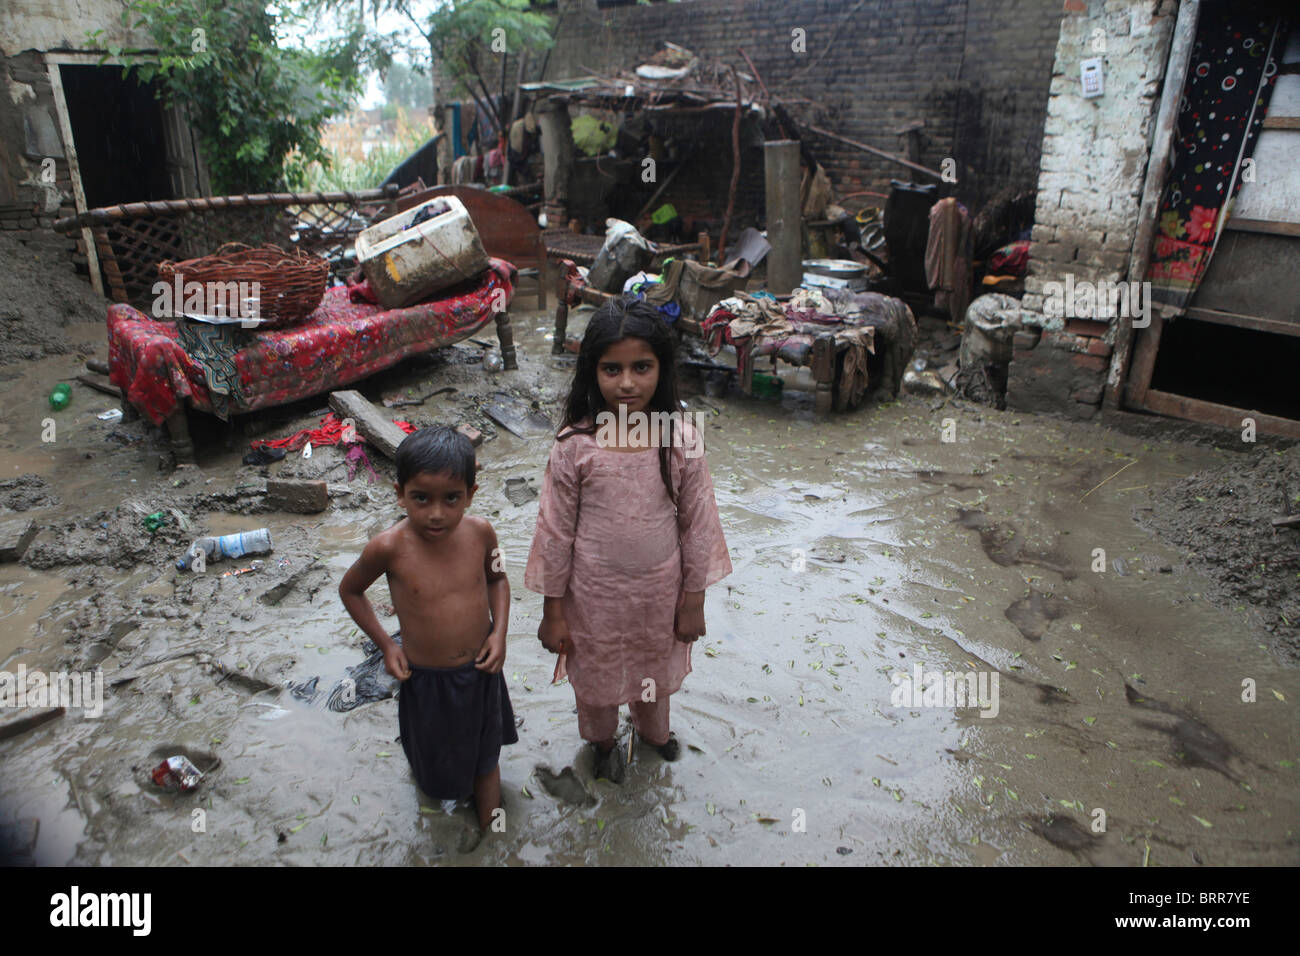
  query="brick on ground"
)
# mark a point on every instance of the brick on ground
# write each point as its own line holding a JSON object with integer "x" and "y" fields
{"x": 298, "y": 496}
{"x": 15, "y": 536}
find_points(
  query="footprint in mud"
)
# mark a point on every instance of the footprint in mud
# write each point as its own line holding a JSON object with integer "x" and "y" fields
{"x": 1195, "y": 743}
{"x": 1005, "y": 547}
{"x": 1047, "y": 693}
{"x": 564, "y": 786}
{"x": 1063, "y": 832}
{"x": 1032, "y": 615}
{"x": 944, "y": 478}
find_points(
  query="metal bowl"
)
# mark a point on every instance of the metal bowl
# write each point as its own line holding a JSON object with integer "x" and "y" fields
{"x": 835, "y": 268}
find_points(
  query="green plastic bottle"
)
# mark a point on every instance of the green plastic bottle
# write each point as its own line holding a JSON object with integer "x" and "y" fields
{"x": 60, "y": 397}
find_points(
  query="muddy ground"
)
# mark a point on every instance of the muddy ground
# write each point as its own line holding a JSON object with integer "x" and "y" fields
{"x": 862, "y": 546}
{"x": 45, "y": 308}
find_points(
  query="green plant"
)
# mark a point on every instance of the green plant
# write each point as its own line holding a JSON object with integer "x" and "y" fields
{"x": 349, "y": 167}
{"x": 256, "y": 107}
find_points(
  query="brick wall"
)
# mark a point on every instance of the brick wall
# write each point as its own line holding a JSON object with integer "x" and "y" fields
{"x": 29, "y": 138}
{"x": 1002, "y": 94}
{"x": 29, "y": 128}
{"x": 976, "y": 72}
{"x": 1094, "y": 159}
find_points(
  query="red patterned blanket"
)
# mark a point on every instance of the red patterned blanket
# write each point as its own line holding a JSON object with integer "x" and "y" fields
{"x": 339, "y": 343}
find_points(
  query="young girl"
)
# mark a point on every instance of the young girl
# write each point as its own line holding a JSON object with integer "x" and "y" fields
{"x": 628, "y": 536}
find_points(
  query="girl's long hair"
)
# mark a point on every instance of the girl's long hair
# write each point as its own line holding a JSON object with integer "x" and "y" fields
{"x": 618, "y": 319}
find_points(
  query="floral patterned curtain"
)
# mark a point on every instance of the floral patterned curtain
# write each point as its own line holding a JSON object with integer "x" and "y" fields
{"x": 1225, "y": 97}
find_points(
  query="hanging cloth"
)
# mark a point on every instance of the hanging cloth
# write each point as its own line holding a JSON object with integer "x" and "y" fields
{"x": 1225, "y": 97}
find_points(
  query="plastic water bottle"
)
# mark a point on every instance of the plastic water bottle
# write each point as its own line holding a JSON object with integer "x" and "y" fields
{"x": 61, "y": 396}
{"x": 227, "y": 546}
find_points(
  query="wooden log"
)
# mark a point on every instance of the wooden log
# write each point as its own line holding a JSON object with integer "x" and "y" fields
{"x": 371, "y": 424}
{"x": 100, "y": 386}
{"x": 23, "y": 719}
{"x": 1287, "y": 521}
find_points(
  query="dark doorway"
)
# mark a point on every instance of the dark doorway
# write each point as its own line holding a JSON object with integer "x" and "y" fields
{"x": 1240, "y": 368}
{"x": 117, "y": 127}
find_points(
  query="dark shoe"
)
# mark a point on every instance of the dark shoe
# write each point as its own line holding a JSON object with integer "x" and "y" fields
{"x": 610, "y": 766}
{"x": 671, "y": 750}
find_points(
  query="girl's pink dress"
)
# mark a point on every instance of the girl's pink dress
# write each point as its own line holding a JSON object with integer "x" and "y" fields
{"x": 610, "y": 542}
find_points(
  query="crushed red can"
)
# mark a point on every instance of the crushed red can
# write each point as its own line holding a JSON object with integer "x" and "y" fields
{"x": 177, "y": 773}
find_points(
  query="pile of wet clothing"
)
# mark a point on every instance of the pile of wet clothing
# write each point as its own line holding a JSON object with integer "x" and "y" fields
{"x": 760, "y": 325}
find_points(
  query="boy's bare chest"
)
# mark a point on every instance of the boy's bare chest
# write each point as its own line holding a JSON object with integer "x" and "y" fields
{"x": 421, "y": 576}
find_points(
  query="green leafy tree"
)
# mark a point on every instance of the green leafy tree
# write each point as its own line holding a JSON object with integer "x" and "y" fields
{"x": 406, "y": 86}
{"x": 255, "y": 105}
{"x": 466, "y": 39}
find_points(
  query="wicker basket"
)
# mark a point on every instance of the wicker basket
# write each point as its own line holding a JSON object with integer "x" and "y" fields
{"x": 290, "y": 283}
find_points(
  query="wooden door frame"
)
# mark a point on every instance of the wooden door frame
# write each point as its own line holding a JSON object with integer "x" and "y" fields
{"x": 53, "y": 61}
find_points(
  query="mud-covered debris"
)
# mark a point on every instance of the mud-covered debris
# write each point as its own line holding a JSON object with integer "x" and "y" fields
{"x": 520, "y": 490}
{"x": 302, "y": 579}
{"x": 240, "y": 677}
{"x": 1223, "y": 517}
{"x": 15, "y": 536}
{"x": 25, "y": 493}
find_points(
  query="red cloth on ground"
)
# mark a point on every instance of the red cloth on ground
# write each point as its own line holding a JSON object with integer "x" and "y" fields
{"x": 330, "y": 432}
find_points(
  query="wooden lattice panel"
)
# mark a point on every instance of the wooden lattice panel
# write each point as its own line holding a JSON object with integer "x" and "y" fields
{"x": 132, "y": 239}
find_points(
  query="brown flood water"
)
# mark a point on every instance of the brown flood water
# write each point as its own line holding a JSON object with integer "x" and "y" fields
{"x": 863, "y": 547}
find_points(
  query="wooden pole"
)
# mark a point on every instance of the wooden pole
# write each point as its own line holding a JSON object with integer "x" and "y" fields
{"x": 877, "y": 152}
{"x": 519, "y": 80}
{"x": 108, "y": 214}
{"x": 784, "y": 222}
{"x": 1180, "y": 54}
{"x": 735, "y": 170}
{"x": 557, "y": 154}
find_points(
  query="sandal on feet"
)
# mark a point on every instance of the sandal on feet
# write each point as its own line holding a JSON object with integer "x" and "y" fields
{"x": 610, "y": 765}
{"x": 671, "y": 750}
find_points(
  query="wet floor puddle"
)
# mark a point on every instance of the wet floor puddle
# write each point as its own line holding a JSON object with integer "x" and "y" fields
{"x": 872, "y": 560}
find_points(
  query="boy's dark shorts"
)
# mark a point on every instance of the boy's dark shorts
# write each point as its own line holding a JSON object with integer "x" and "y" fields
{"x": 453, "y": 721}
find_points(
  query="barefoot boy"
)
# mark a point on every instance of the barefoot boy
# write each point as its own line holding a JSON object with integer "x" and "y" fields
{"x": 452, "y": 601}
